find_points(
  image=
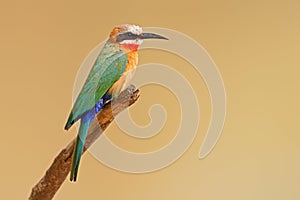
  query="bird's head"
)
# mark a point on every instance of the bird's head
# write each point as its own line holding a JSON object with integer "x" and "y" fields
{"x": 130, "y": 37}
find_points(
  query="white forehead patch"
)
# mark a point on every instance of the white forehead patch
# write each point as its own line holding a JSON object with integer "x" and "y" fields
{"x": 133, "y": 29}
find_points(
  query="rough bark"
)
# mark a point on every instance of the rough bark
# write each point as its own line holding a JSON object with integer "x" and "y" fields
{"x": 58, "y": 171}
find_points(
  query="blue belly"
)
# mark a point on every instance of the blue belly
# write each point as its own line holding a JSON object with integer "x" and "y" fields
{"x": 90, "y": 115}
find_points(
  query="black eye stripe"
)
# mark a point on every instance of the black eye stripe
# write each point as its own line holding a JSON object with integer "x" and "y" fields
{"x": 126, "y": 36}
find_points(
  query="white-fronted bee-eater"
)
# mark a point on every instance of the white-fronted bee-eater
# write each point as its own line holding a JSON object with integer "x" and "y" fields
{"x": 106, "y": 79}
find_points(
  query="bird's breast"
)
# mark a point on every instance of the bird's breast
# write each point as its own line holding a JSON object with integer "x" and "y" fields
{"x": 132, "y": 62}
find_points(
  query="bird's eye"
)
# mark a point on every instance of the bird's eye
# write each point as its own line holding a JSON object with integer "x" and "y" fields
{"x": 130, "y": 34}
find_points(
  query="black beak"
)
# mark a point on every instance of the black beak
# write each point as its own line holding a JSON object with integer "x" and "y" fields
{"x": 151, "y": 36}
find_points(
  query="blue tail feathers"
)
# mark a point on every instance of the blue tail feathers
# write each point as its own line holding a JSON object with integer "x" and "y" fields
{"x": 78, "y": 148}
{"x": 84, "y": 126}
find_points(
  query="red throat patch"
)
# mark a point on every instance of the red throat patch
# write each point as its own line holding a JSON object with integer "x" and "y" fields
{"x": 131, "y": 47}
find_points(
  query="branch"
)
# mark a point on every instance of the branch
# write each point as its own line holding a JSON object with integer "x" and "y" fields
{"x": 55, "y": 176}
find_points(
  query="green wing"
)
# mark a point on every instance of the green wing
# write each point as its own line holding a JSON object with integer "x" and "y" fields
{"x": 107, "y": 69}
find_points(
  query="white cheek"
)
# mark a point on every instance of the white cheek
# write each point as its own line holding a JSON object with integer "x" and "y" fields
{"x": 138, "y": 42}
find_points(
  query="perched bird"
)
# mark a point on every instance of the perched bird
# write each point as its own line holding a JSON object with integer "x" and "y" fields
{"x": 105, "y": 80}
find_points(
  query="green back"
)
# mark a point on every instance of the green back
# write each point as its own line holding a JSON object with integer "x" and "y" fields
{"x": 107, "y": 69}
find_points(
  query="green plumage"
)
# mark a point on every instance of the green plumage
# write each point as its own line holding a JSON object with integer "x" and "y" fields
{"x": 108, "y": 68}
{"x": 78, "y": 149}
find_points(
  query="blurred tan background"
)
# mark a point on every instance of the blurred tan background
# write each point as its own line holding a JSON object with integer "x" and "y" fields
{"x": 256, "y": 46}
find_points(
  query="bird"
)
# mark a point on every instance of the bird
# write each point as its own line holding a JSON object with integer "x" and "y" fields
{"x": 108, "y": 76}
